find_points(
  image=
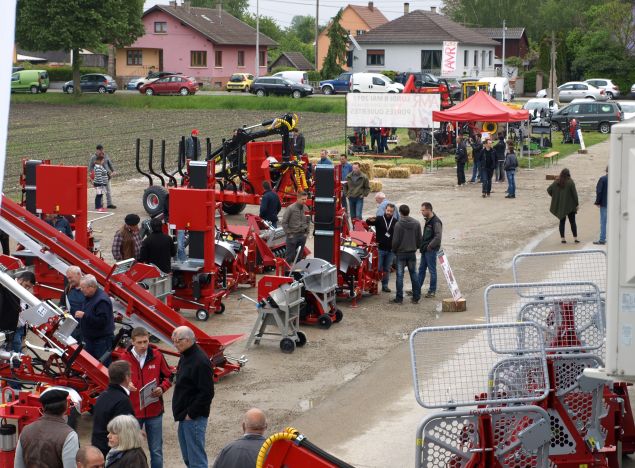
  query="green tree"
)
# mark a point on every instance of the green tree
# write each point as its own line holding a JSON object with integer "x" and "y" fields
{"x": 336, "y": 55}
{"x": 237, "y": 8}
{"x": 303, "y": 27}
{"x": 72, "y": 25}
{"x": 268, "y": 26}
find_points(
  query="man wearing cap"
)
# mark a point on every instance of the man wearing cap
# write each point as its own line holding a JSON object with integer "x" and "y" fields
{"x": 109, "y": 168}
{"x": 193, "y": 146}
{"x": 48, "y": 442}
{"x": 127, "y": 241}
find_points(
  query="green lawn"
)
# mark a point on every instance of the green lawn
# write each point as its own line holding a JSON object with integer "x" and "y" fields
{"x": 139, "y": 101}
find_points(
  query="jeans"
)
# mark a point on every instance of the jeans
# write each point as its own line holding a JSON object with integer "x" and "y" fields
{"x": 99, "y": 204}
{"x": 18, "y": 336}
{"x": 408, "y": 260}
{"x": 293, "y": 243}
{"x": 603, "y": 213}
{"x": 355, "y": 205}
{"x": 511, "y": 183}
{"x": 385, "y": 263}
{"x": 429, "y": 262}
{"x": 486, "y": 179}
{"x": 460, "y": 173}
{"x": 98, "y": 347}
{"x": 108, "y": 194}
{"x": 181, "y": 256}
{"x": 192, "y": 441}
{"x": 384, "y": 143}
{"x": 500, "y": 172}
{"x": 154, "y": 431}
{"x": 375, "y": 142}
{"x": 574, "y": 227}
{"x": 476, "y": 171}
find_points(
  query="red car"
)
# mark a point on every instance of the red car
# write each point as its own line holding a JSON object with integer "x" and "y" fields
{"x": 173, "y": 84}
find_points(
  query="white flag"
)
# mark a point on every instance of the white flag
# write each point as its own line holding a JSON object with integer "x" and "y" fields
{"x": 449, "y": 58}
{"x": 7, "y": 24}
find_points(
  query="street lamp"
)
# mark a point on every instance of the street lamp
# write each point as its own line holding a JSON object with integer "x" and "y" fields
{"x": 257, "y": 38}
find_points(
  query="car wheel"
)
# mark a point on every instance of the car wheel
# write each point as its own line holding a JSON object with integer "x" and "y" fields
{"x": 391, "y": 92}
{"x": 229, "y": 90}
{"x": 356, "y": 91}
{"x": 101, "y": 90}
{"x": 555, "y": 127}
{"x": 149, "y": 92}
{"x": 34, "y": 89}
{"x": 296, "y": 94}
{"x": 327, "y": 90}
{"x": 590, "y": 97}
{"x": 605, "y": 127}
{"x": 184, "y": 92}
{"x": 609, "y": 95}
{"x": 70, "y": 89}
{"x": 261, "y": 93}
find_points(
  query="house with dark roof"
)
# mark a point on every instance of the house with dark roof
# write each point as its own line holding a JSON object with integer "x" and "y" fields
{"x": 414, "y": 42}
{"x": 292, "y": 59}
{"x": 207, "y": 44}
{"x": 516, "y": 41}
{"x": 356, "y": 20}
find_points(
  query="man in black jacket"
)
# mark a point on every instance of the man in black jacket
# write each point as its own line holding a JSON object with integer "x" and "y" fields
{"x": 298, "y": 142}
{"x": 158, "y": 248}
{"x": 384, "y": 230}
{"x": 193, "y": 394}
{"x": 269, "y": 204}
{"x": 96, "y": 319}
{"x": 115, "y": 401}
{"x": 461, "y": 159}
{"x": 500, "y": 148}
{"x": 406, "y": 241}
{"x": 489, "y": 163}
{"x": 477, "y": 158}
{"x": 430, "y": 245}
{"x": 601, "y": 201}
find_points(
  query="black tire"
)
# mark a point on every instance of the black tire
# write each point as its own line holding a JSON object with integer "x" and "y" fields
{"x": 605, "y": 127}
{"x": 325, "y": 321}
{"x": 184, "y": 91}
{"x": 261, "y": 93}
{"x": 287, "y": 345}
{"x": 327, "y": 90}
{"x": 101, "y": 90}
{"x": 301, "y": 341}
{"x": 233, "y": 208}
{"x": 154, "y": 198}
{"x": 202, "y": 315}
{"x": 610, "y": 95}
{"x": 220, "y": 310}
{"x": 149, "y": 91}
{"x": 356, "y": 91}
{"x": 296, "y": 94}
{"x": 339, "y": 315}
{"x": 35, "y": 90}
{"x": 70, "y": 89}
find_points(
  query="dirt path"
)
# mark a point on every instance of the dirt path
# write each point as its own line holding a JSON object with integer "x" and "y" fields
{"x": 341, "y": 384}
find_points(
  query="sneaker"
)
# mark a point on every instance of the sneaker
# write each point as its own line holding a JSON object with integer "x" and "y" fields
{"x": 484, "y": 195}
{"x": 386, "y": 289}
{"x": 395, "y": 301}
{"x": 102, "y": 210}
{"x": 409, "y": 293}
{"x": 112, "y": 207}
{"x": 430, "y": 294}
{"x": 599, "y": 242}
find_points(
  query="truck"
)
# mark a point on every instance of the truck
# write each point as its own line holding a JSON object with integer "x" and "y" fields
{"x": 341, "y": 84}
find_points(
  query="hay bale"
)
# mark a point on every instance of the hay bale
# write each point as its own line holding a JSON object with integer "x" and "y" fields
{"x": 399, "y": 173}
{"x": 380, "y": 172}
{"x": 384, "y": 166}
{"x": 376, "y": 186}
{"x": 367, "y": 168}
{"x": 414, "y": 168}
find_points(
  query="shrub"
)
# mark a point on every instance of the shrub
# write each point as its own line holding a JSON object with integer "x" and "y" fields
{"x": 530, "y": 81}
{"x": 390, "y": 74}
{"x": 314, "y": 75}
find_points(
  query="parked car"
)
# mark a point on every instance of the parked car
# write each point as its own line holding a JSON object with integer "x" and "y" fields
{"x": 499, "y": 88}
{"x": 540, "y": 106}
{"x": 591, "y": 115}
{"x": 577, "y": 89}
{"x": 93, "y": 82}
{"x": 152, "y": 76}
{"x": 294, "y": 75}
{"x": 341, "y": 84}
{"x": 455, "y": 88}
{"x": 374, "y": 83}
{"x": 239, "y": 82}
{"x": 134, "y": 84}
{"x": 275, "y": 86}
{"x": 628, "y": 109}
{"x": 30, "y": 81}
{"x": 611, "y": 89}
{"x": 422, "y": 79}
{"x": 172, "y": 84}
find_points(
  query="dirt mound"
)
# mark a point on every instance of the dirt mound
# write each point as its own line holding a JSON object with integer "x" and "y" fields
{"x": 412, "y": 150}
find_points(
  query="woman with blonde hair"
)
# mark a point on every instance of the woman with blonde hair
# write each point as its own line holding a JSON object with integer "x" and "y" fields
{"x": 124, "y": 440}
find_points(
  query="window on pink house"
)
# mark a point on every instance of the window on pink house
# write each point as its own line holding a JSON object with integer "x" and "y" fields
{"x": 198, "y": 58}
{"x": 160, "y": 27}
{"x": 262, "y": 60}
{"x": 134, "y": 57}
{"x": 218, "y": 58}
{"x": 241, "y": 58}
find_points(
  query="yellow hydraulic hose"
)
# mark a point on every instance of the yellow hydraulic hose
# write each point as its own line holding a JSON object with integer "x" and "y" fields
{"x": 288, "y": 434}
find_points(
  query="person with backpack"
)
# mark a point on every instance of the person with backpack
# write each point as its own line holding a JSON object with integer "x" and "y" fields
{"x": 510, "y": 165}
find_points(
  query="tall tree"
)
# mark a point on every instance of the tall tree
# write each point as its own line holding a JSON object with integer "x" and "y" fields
{"x": 237, "y": 8}
{"x": 336, "y": 55}
{"x": 303, "y": 27}
{"x": 72, "y": 25}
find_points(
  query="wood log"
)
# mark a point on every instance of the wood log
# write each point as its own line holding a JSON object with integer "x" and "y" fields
{"x": 448, "y": 305}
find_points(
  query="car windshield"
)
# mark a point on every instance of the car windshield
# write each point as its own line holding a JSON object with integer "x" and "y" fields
{"x": 109, "y": 78}
{"x": 387, "y": 79}
{"x": 236, "y": 78}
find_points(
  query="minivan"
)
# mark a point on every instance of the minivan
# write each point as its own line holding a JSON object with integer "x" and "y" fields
{"x": 591, "y": 115}
{"x": 294, "y": 75}
{"x": 374, "y": 83}
{"x": 499, "y": 88}
{"x": 30, "y": 81}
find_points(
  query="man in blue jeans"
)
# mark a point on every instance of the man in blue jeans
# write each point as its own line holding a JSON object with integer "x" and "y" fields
{"x": 192, "y": 399}
{"x": 406, "y": 239}
{"x": 430, "y": 245}
{"x": 384, "y": 231}
{"x": 601, "y": 199}
{"x": 356, "y": 189}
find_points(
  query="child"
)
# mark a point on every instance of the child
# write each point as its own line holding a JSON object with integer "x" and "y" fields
{"x": 100, "y": 181}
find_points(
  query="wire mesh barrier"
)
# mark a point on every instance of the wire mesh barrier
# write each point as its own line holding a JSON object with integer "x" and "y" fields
{"x": 563, "y": 266}
{"x": 446, "y": 380}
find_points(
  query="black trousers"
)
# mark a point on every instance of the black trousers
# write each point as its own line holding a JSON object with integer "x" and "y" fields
{"x": 4, "y": 240}
{"x": 460, "y": 173}
{"x": 574, "y": 227}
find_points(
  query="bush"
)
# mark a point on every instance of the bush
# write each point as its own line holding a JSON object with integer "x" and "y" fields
{"x": 63, "y": 73}
{"x": 530, "y": 81}
{"x": 314, "y": 75}
{"x": 390, "y": 74}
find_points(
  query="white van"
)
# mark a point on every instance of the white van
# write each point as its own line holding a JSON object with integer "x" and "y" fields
{"x": 295, "y": 76}
{"x": 503, "y": 89}
{"x": 374, "y": 83}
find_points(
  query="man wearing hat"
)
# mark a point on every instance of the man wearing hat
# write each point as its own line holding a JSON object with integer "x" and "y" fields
{"x": 127, "y": 241}
{"x": 193, "y": 146}
{"x": 48, "y": 442}
{"x": 109, "y": 168}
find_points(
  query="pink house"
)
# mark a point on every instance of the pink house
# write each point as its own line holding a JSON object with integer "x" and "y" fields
{"x": 208, "y": 44}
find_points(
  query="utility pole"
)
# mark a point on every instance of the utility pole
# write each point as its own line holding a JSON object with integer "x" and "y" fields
{"x": 504, "y": 31}
{"x": 317, "y": 31}
{"x": 257, "y": 74}
{"x": 553, "y": 83}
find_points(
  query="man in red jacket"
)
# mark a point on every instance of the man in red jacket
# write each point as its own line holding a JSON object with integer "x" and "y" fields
{"x": 148, "y": 367}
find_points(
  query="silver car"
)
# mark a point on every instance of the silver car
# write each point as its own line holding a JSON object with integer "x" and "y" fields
{"x": 611, "y": 89}
{"x": 577, "y": 89}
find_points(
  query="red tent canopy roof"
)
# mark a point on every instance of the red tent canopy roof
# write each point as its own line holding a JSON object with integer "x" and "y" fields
{"x": 480, "y": 107}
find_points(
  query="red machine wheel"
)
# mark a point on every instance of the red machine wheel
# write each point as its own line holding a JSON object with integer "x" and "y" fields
{"x": 220, "y": 310}
{"x": 287, "y": 345}
{"x": 339, "y": 315}
{"x": 325, "y": 321}
{"x": 301, "y": 341}
{"x": 202, "y": 315}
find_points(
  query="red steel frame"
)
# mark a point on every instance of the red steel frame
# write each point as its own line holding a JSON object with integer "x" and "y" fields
{"x": 24, "y": 408}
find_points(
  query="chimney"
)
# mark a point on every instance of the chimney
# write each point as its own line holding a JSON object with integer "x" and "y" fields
{"x": 370, "y": 6}
{"x": 406, "y": 8}
{"x": 187, "y": 5}
{"x": 173, "y": 3}
{"x": 433, "y": 9}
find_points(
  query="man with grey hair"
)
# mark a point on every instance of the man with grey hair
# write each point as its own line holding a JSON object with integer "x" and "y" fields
{"x": 244, "y": 451}
{"x": 382, "y": 203}
{"x": 96, "y": 319}
{"x": 72, "y": 298}
{"x": 193, "y": 394}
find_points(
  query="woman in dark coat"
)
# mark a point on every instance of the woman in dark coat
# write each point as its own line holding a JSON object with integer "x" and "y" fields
{"x": 124, "y": 440}
{"x": 564, "y": 203}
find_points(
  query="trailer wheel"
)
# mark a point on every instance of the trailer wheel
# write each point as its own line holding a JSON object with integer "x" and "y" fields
{"x": 202, "y": 315}
{"x": 325, "y": 321}
{"x": 154, "y": 198}
{"x": 339, "y": 315}
{"x": 220, "y": 310}
{"x": 301, "y": 341}
{"x": 287, "y": 345}
{"x": 234, "y": 208}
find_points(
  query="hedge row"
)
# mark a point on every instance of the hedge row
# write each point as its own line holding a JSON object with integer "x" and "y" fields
{"x": 63, "y": 73}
